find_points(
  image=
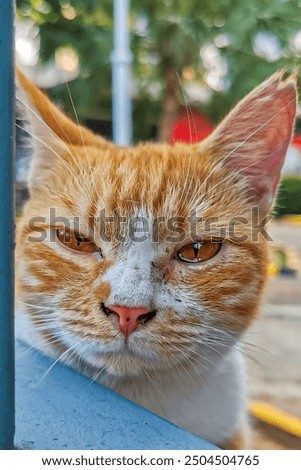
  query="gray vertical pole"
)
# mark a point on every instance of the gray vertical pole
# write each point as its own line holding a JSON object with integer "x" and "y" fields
{"x": 121, "y": 59}
{"x": 7, "y": 404}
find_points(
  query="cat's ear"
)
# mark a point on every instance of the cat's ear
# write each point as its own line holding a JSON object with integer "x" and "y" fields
{"x": 253, "y": 139}
{"x": 52, "y": 133}
{"x": 40, "y": 108}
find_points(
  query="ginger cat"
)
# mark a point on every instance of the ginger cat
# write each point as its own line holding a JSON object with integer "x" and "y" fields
{"x": 140, "y": 266}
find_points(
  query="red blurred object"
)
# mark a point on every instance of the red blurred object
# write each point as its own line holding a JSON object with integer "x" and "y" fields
{"x": 191, "y": 126}
{"x": 296, "y": 142}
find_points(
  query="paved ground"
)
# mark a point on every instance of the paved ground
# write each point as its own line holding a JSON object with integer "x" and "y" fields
{"x": 273, "y": 345}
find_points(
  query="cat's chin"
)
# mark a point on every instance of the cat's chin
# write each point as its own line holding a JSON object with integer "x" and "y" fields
{"x": 123, "y": 365}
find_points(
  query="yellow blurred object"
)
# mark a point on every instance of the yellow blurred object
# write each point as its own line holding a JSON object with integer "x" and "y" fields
{"x": 272, "y": 269}
{"x": 293, "y": 219}
{"x": 275, "y": 417}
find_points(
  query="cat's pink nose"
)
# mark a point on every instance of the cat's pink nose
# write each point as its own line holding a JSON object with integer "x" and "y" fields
{"x": 128, "y": 318}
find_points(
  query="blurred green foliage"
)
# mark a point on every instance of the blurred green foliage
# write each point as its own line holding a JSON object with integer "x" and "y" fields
{"x": 289, "y": 196}
{"x": 164, "y": 34}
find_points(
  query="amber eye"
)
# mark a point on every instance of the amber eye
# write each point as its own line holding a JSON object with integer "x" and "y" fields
{"x": 76, "y": 242}
{"x": 199, "y": 252}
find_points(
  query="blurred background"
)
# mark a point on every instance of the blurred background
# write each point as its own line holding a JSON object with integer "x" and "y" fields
{"x": 191, "y": 62}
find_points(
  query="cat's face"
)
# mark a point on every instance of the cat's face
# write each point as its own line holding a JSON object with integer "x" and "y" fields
{"x": 146, "y": 258}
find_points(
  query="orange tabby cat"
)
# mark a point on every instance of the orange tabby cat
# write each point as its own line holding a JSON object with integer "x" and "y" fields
{"x": 143, "y": 265}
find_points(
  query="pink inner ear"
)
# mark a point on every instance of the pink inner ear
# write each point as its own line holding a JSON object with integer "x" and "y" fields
{"x": 272, "y": 166}
{"x": 264, "y": 166}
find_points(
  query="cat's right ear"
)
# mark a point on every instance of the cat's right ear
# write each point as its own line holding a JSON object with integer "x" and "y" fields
{"x": 52, "y": 133}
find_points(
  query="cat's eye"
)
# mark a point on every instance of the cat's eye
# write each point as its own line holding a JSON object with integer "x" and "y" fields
{"x": 76, "y": 242}
{"x": 199, "y": 252}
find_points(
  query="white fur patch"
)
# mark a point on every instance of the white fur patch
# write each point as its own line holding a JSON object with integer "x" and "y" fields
{"x": 130, "y": 280}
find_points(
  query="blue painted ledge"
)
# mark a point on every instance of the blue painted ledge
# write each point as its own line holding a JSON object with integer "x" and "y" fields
{"x": 65, "y": 410}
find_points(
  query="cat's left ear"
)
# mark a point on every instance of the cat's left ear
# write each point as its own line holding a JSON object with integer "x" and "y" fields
{"x": 53, "y": 134}
{"x": 253, "y": 139}
{"x": 48, "y": 121}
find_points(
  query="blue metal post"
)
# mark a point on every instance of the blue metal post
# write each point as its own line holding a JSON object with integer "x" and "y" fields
{"x": 7, "y": 404}
{"x": 121, "y": 59}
